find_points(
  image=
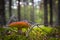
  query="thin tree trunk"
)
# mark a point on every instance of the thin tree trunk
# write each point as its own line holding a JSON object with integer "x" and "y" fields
{"x": 2, "y": 12}
{"x": 10, "y": 9}
{"x": 32, "y": 12}
{"x": 51, "y": 12}
{"x": 25, "y": 11}
{"x": 45, "y": 13}
{"x": 19, "y": 14}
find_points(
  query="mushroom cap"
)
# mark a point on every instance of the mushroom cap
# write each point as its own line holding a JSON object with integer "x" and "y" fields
{"x": 20, "y": 24}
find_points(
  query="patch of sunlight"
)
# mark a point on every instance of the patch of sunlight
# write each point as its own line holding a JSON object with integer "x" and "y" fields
{"x": 42, "y": 27}
{"x": 47, "y": 29}
{"x": 24, "y": 30}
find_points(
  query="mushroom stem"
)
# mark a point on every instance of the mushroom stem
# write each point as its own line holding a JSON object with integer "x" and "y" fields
{"x": 20, "y": 31}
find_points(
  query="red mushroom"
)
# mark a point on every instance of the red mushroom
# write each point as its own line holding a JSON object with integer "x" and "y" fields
{"x": 20, "y": 25}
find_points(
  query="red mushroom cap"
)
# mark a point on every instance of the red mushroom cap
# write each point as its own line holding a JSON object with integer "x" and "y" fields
{"x": 20, "y": 24}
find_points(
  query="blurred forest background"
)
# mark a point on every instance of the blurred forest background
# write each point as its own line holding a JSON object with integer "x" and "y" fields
{"x": 31, "y": 10}
{"x": 38, "y": 11}
{"x": 43, "y": 15}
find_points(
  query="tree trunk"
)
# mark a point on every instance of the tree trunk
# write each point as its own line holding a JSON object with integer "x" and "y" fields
{"x": 45, "y": 13}
{"x": 25, "y": 10}
{"x": 19, "y": 14}
{"x": 51, "y": 12}
{"x": 10, "y": 9}
{"x": 2, "y": 12}
{"x": 32, "y": 12}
